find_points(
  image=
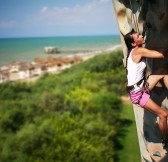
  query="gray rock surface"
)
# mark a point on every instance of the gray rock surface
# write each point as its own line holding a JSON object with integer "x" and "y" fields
{"x": 133, "y": 14}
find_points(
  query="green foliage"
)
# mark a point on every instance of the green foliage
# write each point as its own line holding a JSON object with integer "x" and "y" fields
{"x": 129, "y": 153}
{"x": 79, "y": 97}
{"x": 69, "y": 117}
{"x": 110, "y": 61}
{"x": 14, "y": 91}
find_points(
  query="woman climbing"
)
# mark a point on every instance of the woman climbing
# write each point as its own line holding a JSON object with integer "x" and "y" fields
{"x": 138, "y": 87}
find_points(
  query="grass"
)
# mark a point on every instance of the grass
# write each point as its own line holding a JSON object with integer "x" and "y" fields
{"x": 130, "y": 151}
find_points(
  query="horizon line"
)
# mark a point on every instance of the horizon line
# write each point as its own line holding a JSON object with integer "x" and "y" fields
{"x": 17, "y": 37}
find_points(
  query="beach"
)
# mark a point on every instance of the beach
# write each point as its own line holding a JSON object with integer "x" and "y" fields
{"x": 26, "y": 58}
{"x": 30, "y": 71}
{"x": 26, "y": 49}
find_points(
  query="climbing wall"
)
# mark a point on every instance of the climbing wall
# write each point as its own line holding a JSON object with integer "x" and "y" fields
{"x": 134, "y": 14}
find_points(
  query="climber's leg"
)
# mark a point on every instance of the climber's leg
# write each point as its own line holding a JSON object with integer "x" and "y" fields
{"x": 162, "y": 114}
{"x": 165, "y": 80}
{"x": 153, "y": 80}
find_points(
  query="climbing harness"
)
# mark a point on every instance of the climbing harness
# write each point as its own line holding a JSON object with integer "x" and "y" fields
{"x": 132, "y": 87}
{"x": 137, "y": 90}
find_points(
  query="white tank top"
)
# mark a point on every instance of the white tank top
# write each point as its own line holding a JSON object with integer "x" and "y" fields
{"x": 135, "y": 71}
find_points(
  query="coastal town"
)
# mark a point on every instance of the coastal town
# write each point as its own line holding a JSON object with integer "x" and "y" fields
{"x": 29, "y": 71}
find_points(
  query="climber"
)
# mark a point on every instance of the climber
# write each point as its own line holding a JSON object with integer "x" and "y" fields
{"x": 138, "y": 87}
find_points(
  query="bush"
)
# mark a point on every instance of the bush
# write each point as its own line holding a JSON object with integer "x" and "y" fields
{"x": 72, "y": 116}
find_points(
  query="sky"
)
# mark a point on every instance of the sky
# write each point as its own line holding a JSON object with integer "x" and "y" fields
{"x": 37, "y": 18}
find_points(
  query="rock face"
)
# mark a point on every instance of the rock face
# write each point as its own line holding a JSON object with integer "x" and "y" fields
{"x": 133, "y": 14}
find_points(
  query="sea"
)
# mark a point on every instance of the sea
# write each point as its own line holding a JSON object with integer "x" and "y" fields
{"x": 26, "y": 49}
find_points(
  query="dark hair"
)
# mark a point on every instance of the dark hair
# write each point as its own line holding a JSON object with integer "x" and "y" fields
{"x": 129, "y": 39}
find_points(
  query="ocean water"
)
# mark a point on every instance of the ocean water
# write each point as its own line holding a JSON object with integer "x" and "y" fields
{"x": 26, "y": 49}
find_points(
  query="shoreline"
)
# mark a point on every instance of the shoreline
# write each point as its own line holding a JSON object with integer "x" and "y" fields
{"x": 7, "y": 74}
{"x": 92, "y": 54}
